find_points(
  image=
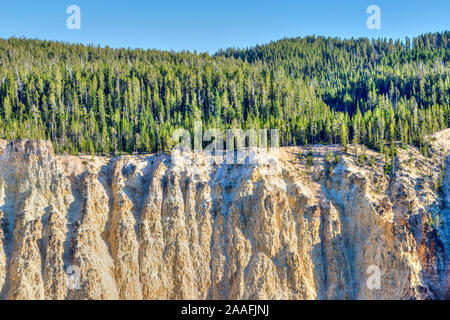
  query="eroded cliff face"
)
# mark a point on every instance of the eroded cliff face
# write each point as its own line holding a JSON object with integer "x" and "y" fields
{"x": 149, "y": 227}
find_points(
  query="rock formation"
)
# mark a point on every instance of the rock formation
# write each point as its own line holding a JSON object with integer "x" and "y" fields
{"x": 151, "y": 227}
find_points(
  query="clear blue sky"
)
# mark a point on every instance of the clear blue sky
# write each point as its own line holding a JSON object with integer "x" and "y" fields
{"x": 209, "y": 25}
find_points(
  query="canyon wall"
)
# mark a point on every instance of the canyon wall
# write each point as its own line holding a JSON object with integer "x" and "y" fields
{"x": 152, "y": 227}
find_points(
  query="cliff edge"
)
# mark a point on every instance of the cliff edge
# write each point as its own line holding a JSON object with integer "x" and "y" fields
{"x": 303, "y": 226}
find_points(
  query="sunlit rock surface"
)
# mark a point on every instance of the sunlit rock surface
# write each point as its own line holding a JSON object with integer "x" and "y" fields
{"x": 154, "y": 227}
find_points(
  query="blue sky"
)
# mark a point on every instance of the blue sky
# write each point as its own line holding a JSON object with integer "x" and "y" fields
{"x": 209, "y": 25}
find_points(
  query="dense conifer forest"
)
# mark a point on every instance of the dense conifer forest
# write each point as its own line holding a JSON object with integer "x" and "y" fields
{"x": 93, "y": 100}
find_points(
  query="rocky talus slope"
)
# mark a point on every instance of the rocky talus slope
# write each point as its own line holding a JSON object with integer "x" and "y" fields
{"x": 151, "y": 227}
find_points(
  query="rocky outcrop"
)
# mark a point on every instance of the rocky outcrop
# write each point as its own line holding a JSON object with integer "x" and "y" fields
{"x": 152, "y": 227}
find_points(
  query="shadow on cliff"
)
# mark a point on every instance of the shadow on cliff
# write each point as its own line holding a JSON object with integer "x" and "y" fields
{"x": 433, "y": 241}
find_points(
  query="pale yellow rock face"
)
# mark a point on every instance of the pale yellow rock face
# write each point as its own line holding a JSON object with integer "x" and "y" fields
{"x": 154, "y": 227}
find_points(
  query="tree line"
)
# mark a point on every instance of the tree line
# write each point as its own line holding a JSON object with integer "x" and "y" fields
{"x": 87, "y": 99}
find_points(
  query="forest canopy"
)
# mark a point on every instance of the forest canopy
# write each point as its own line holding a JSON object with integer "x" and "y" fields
{"x": 87, "y": 99}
